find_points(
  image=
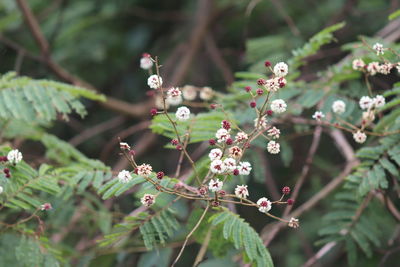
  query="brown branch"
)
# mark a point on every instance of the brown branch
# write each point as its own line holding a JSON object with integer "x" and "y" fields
{"x": 219, "y": 61}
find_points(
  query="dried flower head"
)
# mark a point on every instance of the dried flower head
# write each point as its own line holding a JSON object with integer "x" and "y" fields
{"x": 235, "y": 152}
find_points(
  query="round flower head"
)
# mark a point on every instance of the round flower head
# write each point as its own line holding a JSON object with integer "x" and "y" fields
{"x": 230, "y": 164}
{"x": 235, "y": 152}
{"x": 358, "y": 64}
{"x": 14, "y": 156}
{"x": 318, "y": 115}
{"x": 222, "y": 135}
{"x": 262, "y": 123}
{"x": 1, "y": 189}
{"x": 146, "y": 62}
{"x": 241, "y": 191}
{"x": 182, "y": 113}
{"x": 46, "y": 206}
{"x": 365, "y": 102}
{"x": 359, "y": 137}
{"x": 215, "y": 153}
{"x": 281, "y": 69}
{"x": 273, "y": 147}
{"x": 379, "y": 101}
{"x": 154, "y": 81}
{"x": 124, "y": 176}
{"x": 278, "y": 106}
{"x": 272, "y": 84}
{"x": 215, "y": 185}
{"x": 217, "y": 166}
{"x": 244, "y": 168}
{"x": 264, "y": 205}
{"x": 373, "y": 68}
{"x": 206, "y": 93}
{"x": 174, "y": 92}
{"x": 148, "y": 200}
{"x": 339, "y": 107}
{"x": 378, "y": 49}
{"x": 274, "y": 132}
{"x": 144, "y": 169}
{"x": 385, "y": 68}
{"x": 189, "y": 92}
{"x": 174, "y": 101}
{"x": 294, "y": 223}
{"x": 241, "y": 136}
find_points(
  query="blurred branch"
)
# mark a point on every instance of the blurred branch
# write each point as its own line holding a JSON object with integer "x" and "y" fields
{"x": 289, "y": 21}
{"x": 95, "y": 130}
{"x": 219, "y": 61}
{"x": 133, "y": 110}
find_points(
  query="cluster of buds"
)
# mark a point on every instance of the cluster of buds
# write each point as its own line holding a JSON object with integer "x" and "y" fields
{"x": 13, "y": 157}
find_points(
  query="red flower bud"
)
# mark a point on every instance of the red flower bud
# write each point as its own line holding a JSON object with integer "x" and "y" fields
{"x": 153, "y": 112}
{"x": 286, "y": 190}
{"x": 290, "y": 201}
{"x": 229, "y": 141}
{"x": 259, "y": 91}
{"x": 160, "y": 175}
{"x": 174, "y": 142}
{"x": 247, "y": 88}
{"x": 267, "y": 63}
{"x": 253, "y": 104}
{"x": 212, "y": 142}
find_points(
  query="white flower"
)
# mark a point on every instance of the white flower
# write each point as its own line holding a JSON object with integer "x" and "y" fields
{"x": 385, "y": 68}
{"x": 154, "y": 81}
{"x": 262, "y": 123}
{"x": 272, "y": 84}
{"x": 148, "y": 200}
{"x": 241, "y": 136}
{"x": 358, "y": 64}
{"x": 230, "y": 164}
{"x": 318, "y": 115}
{"x": 217, "y": 166}
{"x": 1, "y": 189}
{"x": 359, "y": 137}
{"x": 278, "y": 106}
{"x": 174, "y": 101}
{"x": 244, "y": 168}
{"x": 206, "y": 93}
{"x": 273, "y": 147}
{"x": 144, "y": 169}
{"x": 46, "y": 206}
{"x": 294, "y": 223}
{"x": 124, "y": 176}
{"x": 373, "y": 68}
{"x": 14, "y": 156}
{"x": 274, "y": 132}
{"x": 339, "y": 107}
{"x": 378, "y": 48}
{"x": 189, "y": 92}
{"x": 264, "y": 205}
{"x": 182, "y": 113}
{"x": 281, "y": 69}
{"x": 398, "y": 67}
{"x": 146, "y": 62}
{"x": 215, "y": 153}
{"x": 235, "y": 152}
{"x": 379, "y": 101}
{"x": 174, "y": 92}
{"x": 222, "y": 135}
{"x": 124, "y": 146}
{"x": 365, "y": 102}
{"x": 215, "y": 185}
{"x": 241, "y": 191}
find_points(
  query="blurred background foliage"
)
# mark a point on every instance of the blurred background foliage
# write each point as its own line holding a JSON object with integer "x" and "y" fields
{"x": 203, "y": 43}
